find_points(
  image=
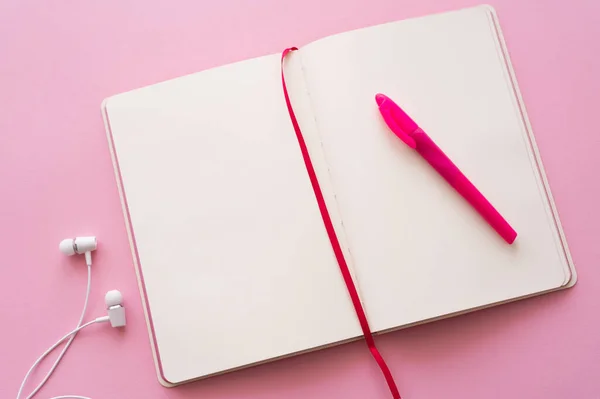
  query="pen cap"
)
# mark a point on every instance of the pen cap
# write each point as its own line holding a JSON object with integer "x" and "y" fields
{"x": 397, "y": 120}
{"x": 403, "y": 121}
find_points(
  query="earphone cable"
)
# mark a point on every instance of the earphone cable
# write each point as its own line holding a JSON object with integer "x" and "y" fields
{"x": 60, "y": 341}
{"x": 64, "y": 350}
{"x": 71, "y": 397}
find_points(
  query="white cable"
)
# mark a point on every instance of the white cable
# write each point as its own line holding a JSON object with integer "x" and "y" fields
{"x": 70, "y": 397}
{"x": 62, "y": 353}
{"x": 75, "y": 331}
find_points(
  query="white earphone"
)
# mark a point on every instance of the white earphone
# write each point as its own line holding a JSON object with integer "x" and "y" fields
{"x": 114, "y": 307}
{"x": 79, "y": 245}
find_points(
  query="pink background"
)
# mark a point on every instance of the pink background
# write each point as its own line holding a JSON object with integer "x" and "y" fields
{"x": 59, "y": 59}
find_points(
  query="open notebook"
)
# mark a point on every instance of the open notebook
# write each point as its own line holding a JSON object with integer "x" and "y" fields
{"x": 234, "y": 263}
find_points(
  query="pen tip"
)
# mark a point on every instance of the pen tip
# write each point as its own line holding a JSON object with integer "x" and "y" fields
{"x": 380, "y": 98}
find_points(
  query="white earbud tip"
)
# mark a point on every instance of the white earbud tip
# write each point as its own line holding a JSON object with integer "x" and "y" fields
{"x": 113, "y": 298}
{"x": 66, "y": 246}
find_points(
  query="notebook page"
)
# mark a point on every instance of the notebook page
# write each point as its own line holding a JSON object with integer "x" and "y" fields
{"x": 419, "y": 250}
{"x": 235, "y": 260}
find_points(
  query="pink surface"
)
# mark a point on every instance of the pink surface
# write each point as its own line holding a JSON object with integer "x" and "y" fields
{"x": 58, "y": 60}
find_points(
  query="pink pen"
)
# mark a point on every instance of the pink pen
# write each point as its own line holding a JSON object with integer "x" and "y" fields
{"x": 409, "y": 132}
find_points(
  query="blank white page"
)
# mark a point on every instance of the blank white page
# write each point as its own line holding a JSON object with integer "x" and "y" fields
{"x": 234, "y": 257}
{"x": 419, "y": 250}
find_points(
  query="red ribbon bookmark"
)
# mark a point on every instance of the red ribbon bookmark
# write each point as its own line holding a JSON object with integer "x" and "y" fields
{"x": 335, "y": 244}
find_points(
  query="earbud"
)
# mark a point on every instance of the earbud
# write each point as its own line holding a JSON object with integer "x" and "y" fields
{"x": 79, "y": 245}
{"x": 116, "y": 312}
{"x": 114, "y": 307}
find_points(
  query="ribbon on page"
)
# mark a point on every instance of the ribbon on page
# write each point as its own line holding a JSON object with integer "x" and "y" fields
{"x": 335, "y": 244}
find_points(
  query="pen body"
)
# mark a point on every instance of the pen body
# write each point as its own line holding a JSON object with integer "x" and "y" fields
{"x": 449, "y": 171}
